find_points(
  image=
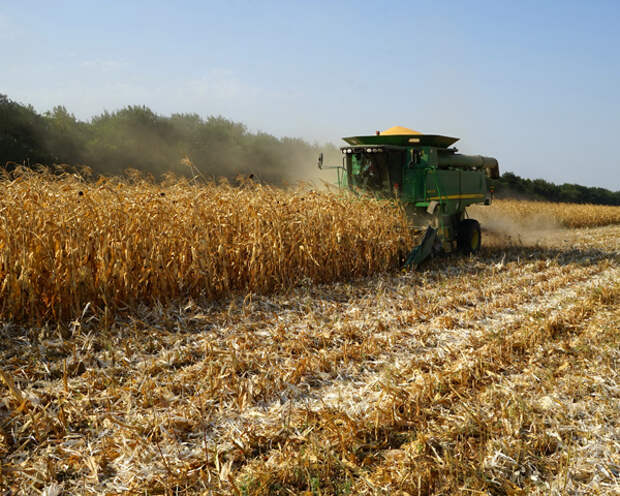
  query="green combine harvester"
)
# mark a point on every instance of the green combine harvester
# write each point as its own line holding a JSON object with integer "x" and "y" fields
{"x": 434, "y": 182}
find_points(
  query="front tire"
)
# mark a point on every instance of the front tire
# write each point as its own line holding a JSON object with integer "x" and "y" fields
{"x": 469, "y": 236}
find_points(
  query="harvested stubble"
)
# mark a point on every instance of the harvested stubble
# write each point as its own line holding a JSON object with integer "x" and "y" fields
{"x": 491, "y": 375}
{"x": 65, "y": 243}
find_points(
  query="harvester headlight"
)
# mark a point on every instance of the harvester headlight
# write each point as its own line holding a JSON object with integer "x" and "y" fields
{"x": 349, "y": 150}
{"x": 368, "y": 150}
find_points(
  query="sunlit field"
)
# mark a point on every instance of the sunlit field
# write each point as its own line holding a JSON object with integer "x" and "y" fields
{"x": 183, "y": 338}
{"x": 66, "y": 243}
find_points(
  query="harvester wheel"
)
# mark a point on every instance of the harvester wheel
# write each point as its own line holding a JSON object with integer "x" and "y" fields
{"x": 469, "y": 236}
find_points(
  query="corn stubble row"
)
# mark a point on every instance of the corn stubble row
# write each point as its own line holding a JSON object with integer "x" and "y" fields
{"x": 116, "y": 243}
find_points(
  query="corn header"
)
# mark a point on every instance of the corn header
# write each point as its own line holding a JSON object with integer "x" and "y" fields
{"x": 434, "y": 182}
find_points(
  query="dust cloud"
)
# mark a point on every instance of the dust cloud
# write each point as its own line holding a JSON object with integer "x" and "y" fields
{"x": 501, "y": 228}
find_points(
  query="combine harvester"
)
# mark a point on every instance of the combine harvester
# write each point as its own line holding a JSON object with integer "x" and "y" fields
{"x": 434, "y": 182}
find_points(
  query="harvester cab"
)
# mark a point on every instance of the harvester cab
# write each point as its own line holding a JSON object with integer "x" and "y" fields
{"x": 434, "y": 182}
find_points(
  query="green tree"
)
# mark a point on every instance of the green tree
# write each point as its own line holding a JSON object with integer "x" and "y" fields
{"x": 22, "y": 134}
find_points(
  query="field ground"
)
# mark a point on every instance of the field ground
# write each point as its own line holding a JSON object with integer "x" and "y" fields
{"x": 496, "y": 374}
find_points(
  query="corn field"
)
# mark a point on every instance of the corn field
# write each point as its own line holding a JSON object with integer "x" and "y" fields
{"x": 224, "y": 367}
{"x": 559, "y": 214}
{"x": 65, "y": 243}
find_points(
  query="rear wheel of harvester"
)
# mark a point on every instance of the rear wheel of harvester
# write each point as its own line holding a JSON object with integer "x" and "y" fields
{"x": 469, "y": 236}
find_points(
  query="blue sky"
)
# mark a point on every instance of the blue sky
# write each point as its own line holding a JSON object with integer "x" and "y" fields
{"x": 535, "y": 84}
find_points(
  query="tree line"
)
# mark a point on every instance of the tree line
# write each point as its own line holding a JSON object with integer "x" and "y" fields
{"x": 136, "y": 137}
{"x": 510, "y": 185}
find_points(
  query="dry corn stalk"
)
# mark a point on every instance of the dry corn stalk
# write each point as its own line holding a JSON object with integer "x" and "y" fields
{"x": 65, "y": 243}
{"x": 547, "y": 214}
